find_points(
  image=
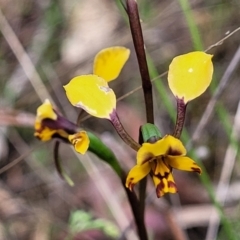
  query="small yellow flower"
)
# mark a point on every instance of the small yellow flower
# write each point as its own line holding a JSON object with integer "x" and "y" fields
{"x": 50, "y": 124}
{"x": 159, "y": 159}
{"x": 190, "y": 74}
{"x": 91, "y": 92}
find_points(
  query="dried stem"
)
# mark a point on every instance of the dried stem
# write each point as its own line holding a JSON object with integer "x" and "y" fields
{"x": 181, "y": 111}
{"x": 136, "y": 30}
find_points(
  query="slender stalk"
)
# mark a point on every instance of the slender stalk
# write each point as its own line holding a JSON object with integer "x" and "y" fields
{"x": 122, "y": 132}
{"x": 135, "y": 206}
{"x": 181, "y": 112}
{"x": 58, "y": 165}
{"x": 56, "y": 158}
{"x": 143, "y": 182}
{"x": 136, "y": 30}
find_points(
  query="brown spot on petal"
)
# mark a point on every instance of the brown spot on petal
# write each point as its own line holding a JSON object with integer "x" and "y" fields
{"x": 130, "y": 184}
{"x": 160, "y": 176}
{"x": 172, "y": 185}
{"x": 173, "y": 152}
{"x": 159, "y": 189}
{"x": 148, "y": 157}
{"x": 195, "y": 169}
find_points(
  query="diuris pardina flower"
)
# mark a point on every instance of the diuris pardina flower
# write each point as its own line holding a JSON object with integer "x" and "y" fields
{"x": 50, "y": 124}
{"x": 158, "y": 159}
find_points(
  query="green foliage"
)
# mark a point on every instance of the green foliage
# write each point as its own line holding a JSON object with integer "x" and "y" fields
{"x": 80, "y": 220}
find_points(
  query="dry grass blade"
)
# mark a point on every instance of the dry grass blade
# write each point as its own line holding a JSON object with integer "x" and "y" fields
{"x": 14, "y": 118}
{"x": 19, "y": 159}
{"x": 111, "y": 199}
{"x": 224, "y": 181}
{"x": 23, "y": 58}
{"x": 220, "y": 42}
{"x": 209, "y": 109}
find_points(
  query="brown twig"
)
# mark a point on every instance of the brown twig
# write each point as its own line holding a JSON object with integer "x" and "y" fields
{"x": 136, "y": 30}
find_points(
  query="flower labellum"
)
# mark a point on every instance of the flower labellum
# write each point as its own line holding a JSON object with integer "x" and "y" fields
{"x": 80, "y": 141}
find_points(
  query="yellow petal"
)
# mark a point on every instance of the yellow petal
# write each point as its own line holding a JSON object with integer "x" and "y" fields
{"x": 136, "y": 174}
{"x": 164, "y": 185}
{"x": 92, "y": 94}
{"x": 80, "y": 141}
{"x": 172, "y": 188}
{"x": 190, "y": 74}
{"x": 109, "y": 62}
{"x": 160, "y": 168}
{"x": 183, "y": 163}
{"x": 45, "y": 134}
{"x": 46, "y": 111}
{"x": 168, "y": 145}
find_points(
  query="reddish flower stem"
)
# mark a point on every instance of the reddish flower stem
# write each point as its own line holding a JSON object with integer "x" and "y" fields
{"x": 121, "y": 131}
{"x": 181, "y": 112}
{"x": 136, "y": 30}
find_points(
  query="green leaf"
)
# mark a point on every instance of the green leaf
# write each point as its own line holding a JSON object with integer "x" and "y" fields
{"x": 103, "y": 152}
{"x": 150, "y": 133}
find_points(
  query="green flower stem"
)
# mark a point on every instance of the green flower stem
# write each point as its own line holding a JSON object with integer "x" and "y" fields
{"x": 103, "y": 152}
{"x": 181, "y": 112}
{"x": 136, "y": 30}
{"x": 121, "y": 131}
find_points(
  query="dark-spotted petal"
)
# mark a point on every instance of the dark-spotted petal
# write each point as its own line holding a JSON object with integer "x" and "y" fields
{"x": 159, "y": 168}
{"x": 80, "y": 141}
{"x": 164, "y": 185}
{"x": 168, "y": 145}
{"x": 137, "y": 173}
{"x": 183, "y": 163}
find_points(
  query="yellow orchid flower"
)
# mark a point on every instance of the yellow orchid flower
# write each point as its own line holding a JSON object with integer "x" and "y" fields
{"x": 50, "y": 124}
{"x": 158, "y": 159}
{"x": 190, "y": 75}
{"x": 91, "y": 92}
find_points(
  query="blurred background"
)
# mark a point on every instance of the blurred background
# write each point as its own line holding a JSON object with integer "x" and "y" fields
{"x": 43, "y": 44}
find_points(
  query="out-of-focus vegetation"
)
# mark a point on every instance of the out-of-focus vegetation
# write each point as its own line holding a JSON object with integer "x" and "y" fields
{"x": 43, "y": 44}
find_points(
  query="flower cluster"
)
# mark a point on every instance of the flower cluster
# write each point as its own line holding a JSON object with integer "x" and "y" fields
{"x": 189, "y": 76}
